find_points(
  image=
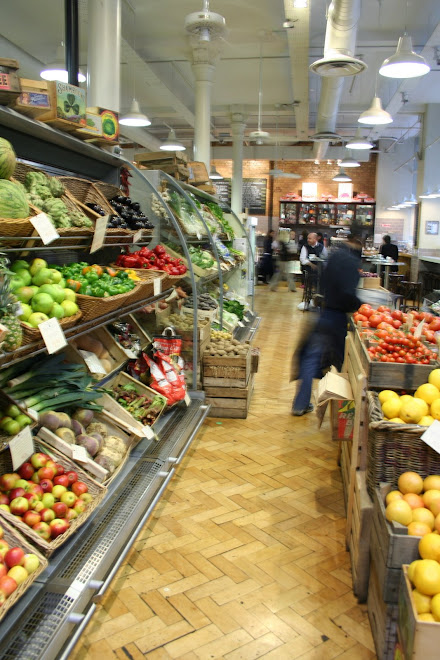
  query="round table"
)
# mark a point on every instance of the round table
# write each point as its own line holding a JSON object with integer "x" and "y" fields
{"x": 387, "y": 265}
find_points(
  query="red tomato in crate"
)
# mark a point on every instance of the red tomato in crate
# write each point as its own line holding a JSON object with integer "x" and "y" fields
{"x": 426, "y": 316}
{"x": 383, "y": 308}
{"x": 360, "y": 317}
{"x": 396, "y": 323}
{"x": 435, "y": 324}
{"x": 384, "y": 326}
{"x": 366, "y": 310}
{"x": 397, "y": 314}
{"x": 375, "y": 319}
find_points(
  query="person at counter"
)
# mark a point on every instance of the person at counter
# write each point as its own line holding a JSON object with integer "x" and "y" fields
{"x": 388, "y": 249}
{"x": 311, "y": 249}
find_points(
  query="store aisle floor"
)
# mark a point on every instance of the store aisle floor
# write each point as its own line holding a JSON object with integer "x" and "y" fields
{"x": 244, "y": 557}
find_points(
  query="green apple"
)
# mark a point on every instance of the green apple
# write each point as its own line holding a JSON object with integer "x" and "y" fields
{"x": 48, "y": 500}
{"x": 36, "y": 265}
{"x": 54, "y": 291}
{"x": 26, "y": 312}
{"x": 43, "y": 276}
{"x": 62, "y": 283}
{"x": 70, "y": 308}
{"x": 36, "y": 318}
{"x": 25, "y": 275}
{"x": 16, "y": 283}
{"x": 24, "y": 293}
{"x": 20, "y": 264}
{"x": 57, "y": 311}
{"x": 69, "y": 295}
{"x": 42, "y": 302}
{"x": 56, "y": 276}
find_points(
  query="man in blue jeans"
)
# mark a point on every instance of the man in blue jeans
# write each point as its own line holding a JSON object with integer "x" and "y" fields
{"x": 326, "y": 343}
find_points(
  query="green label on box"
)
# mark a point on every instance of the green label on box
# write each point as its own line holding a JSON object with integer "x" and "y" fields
{"x": 71, "y": 103}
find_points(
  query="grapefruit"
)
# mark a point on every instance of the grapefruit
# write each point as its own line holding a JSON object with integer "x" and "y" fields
{"x": 427, "y": 576}
{"x": 429, "y": 496}
{"x": 393, "y": 495}
{"x": 387, "y": 394}
{"x": 405, "y": 398}
{"x": 422, "y": 602}
{"x": 399, "y": 511}
{"x": 391, "y": 407}
{"x": 412, "y": 568}
{"x": 415, "y": 501}
{"x": 432, "y": 481}
{"x": 434, "y": 507}
{"x": 418, "y": 529}
{"x": 425, "y": 516}
{"x": 428, "y": 392}
{"x": 435, "y": 607}
{"x": 435, "y": 408}
{"x": 434, "y": 378}
{"x": 412, "y": 411}
{"x": 410, "y": 482}
{"x": 426, "y": 616}
{"x": 426, "y": 420}
{"x": 397, "y": 420}
{"x": 429, "y": 548}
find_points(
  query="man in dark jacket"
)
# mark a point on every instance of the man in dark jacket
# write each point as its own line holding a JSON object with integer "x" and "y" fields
{"x": 326, "y": 343}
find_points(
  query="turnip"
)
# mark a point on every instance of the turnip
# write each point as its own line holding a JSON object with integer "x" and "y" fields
{"x": 77, "y": 427}
{"x": 89, "y": 443}
{"x": 83, "y": 416}
{"x": 50, "y": 420}
{"x": 66, "y": 434}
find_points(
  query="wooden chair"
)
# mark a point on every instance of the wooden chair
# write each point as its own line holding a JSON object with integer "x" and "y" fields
{"x": 412, "y": 294}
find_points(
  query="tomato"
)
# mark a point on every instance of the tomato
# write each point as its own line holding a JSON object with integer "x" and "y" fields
{"x": 426, "y": 316}
{"x": 435, "y": 324}
{"x": 397, "y": 314}
{"x": 359, "y": 317}
{"x": 366, "y": 310}
{"x": 375, "y": 319}
{"x": 384, "y": 358}
{"x": 384, "y": 326}
{"x": 396, "y": 323}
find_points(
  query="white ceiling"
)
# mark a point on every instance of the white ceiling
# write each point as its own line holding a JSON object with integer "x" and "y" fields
{"x": 154, "y": 29}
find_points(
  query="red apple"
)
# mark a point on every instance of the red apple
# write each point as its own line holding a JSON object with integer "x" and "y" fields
{"x": 80, "y": 506}
{"x": 18, "y": 573}
{"x": 35, "y": 478}
{"x": 39, "y": 460}
{"x": 72, "y": 475}
{"x": 61, "y": 480}
{"x": 26, "y": 471}
{"x": 36, "y": 489}
{"x": 22, "y": 483}
{"x": 79, "y": 488}
{"x": 31, "y": 563}
{"x": 19, "y": 506}
{"x": 57, "y": 491}
{"x": 68, "y": 498}
{"x": 86, "y": 497}
{"x": 3, "y": 570}
{"x": 4, "y": 547}
{"x": 14, "y": 557}
{"x": 7, "y": 585}
{"x": 60, "y": 469}
{"x": 32, "y": 499}
{"x": 43, "y": 530}
{"x": 46, "y": 473}
{"x": 60, "y": 509}
{"x": 16, "y": 492}
{"x": 71, "y": 514}
{"x": 7, "y": 481}
{"x": 31, "y": 518}
{"x": 58, "y": 526}
{"x": 4, "y": 499}
{"x": 47, "y": 515}
{"x": 46, "y": 485}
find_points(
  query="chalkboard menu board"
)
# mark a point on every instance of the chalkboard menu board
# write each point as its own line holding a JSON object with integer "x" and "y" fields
{"x": 254, "y": 194}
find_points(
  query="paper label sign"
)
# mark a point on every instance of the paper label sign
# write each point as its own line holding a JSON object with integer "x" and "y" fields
{"x": 93, "y": 362}
{"x": 44, "y": 228}
{"x": 432, "y": 436}
{"x": 79, "y": 454}
{"x": 53, "y": 335}
{"x": 99, "y": 235}
{"x": 129, "y": 353}
{"x": 187, "y": 399}
{"x": 240, "y": 324}
{"x": 137, "y": 236}
{"x": 21, "y": 447}
{"x": 148, "y": 432}
{"x": 419, "y": 329}
{"x": 157, "y": 286}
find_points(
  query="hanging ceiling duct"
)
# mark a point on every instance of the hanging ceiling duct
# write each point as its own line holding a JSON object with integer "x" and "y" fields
{"x": 337, "y": 63}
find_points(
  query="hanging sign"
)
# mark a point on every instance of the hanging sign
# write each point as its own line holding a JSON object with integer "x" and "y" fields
{"x": 44, "y": 228}
{"x": 53, "y": 335}
{"x": 99, "y": 235}
{"x": 21, "y": 447}
{"x": 309, "y": 191}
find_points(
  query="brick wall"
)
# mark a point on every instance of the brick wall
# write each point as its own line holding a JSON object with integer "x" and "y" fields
{"x": 364, "y": 177}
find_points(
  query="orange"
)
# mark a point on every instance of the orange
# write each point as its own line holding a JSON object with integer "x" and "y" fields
{"x": 418, "y": 529}
{"x": 393, "y": 495}
{"x": 410, "y": 482}
{"x": 430, "y": 495}
{"x": 424, "y": 515}
{"x": 427, "y": 576}
{"x": 429, "y": 547}
{"x": 433, "y": 481}
{"x": 415, "y": 501}
{"x": 399, "y": 511}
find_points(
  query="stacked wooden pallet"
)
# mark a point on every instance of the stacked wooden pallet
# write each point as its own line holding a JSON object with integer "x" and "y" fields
{"x": 173, "y": 163}
{"x": 228, "y": 383}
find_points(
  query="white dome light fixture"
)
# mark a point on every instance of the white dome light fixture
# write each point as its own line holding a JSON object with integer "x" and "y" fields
{"x": 214, "y": 175}
{"x": 134, "y": 117}
{"x": 405, "y": 63}
{"x": 425, "y": 195}
{"x": 56, "y": 70}
{"x": 342, "y": 177}
{"x": 172, "y": 143}
{"x": 349, "y": 161}
{"x": 358, "y": 142}
{"x": 375, "y": 115}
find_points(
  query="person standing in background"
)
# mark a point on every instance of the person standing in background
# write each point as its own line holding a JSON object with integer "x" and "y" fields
{"x": 267, "y": 260}
{"x": 302, "y": 240}
{"x": 320, "y": 237}
{"x": 312, "y": 249}
{"x": 388, "y": 249}
{"x": 284, "y": 255}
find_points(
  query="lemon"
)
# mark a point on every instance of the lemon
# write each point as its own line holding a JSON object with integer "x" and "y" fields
{"x": 422, "y": 602}
{"x": 426, "y": 420}
{"x": 396, "y": 420}
{"x": 412, "y": 568}
{"x": 412, "y": 411}
{"x": 426, "y": 616}
{"x": 428, "y": 393}
{"x": 387, "y": 394}
{"x": 429, "y": 548}
{"x": 435, "y": 406}
{"x": 391, "y": 407}
{"x": 435, "y": 607}
{"x": 434, "y": 378}
{"x": 427, "y": 576}
{"x": 405, "y": 397}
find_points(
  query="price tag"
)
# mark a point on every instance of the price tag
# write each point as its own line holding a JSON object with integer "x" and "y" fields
{"x": 44, "y": 228}
{"x": 137, "y": 236}
{"x": 21, "y": 447}
{"x": 418, "y": 330}
{"x": 240, "y": 324}
{"x": 148, "y": 432}
{"x": 99, "y": 235}
{"x": 187, "y": 399}
{"x": 79, "y": 454}
{"x": 93, "y": 362}
{"x": 432, "y": 436}
{"x": 247, "y": 319}
{"x": 53, "y": 335}
{"x": 157, "y": 286}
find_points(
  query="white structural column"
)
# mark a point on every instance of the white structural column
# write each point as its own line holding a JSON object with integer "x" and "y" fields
{"x": 103, "y": 60}
{"x": 428, "y": 179}
{"x": 204, "y": 74}
{"x": 237, "y": 128}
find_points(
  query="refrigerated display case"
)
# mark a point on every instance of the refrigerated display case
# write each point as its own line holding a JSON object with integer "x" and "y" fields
{"x": 328, "y": 217}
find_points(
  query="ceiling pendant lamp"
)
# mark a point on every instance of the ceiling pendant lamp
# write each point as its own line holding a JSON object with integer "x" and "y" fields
{"x": 375, "y": 115}
{"x": 425, "y": 195}
{"x": 358, "y": 142}
{"x": 349, "y": 161}
{"x": 342, "y": 176}
{"x": 214, "y": 175}
{"x": 134, "y": 117}
{"x": 56, "y": 70}
{"x": 172, "y": 143}
{"x": 405, "y": 63}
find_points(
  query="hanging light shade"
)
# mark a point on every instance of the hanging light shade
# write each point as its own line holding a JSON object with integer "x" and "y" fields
{"x": 214, "y": 175}
{"x": 412, "y": 201}
{"x": 375, "y": 114}
{"x": 349, "y": 162}
{"x": 56, "y": 70}
{"x": 405, "y": 63}
{"x": 425, "y": 195}
{"x": 172, "y": 143}
{"x": 135, "y": 117}
{"x": 435, "y": 194}
{"x": 342, "y": 176}
{"x": 358, "y": 142}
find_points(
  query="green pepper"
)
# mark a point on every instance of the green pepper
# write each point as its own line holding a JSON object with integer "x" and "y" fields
{"x": 91, "y": 276}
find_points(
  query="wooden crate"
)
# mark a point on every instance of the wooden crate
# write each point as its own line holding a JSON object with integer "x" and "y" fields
{"x": 197, "y": 173}
{"x": 9, "y": 81}
{"x": 345, "y": 463}
{"x": 383, "y": 619}
{"x": 34, "y": 99}
{"x": 171, "y": 163}
{"x": 56, "y": 115}
{"x": 420, "y": 639}
{"x": 226, "y": 371}
{"x": 229, "y": 401}
{"x": 358, "y": 542}
{"x": 116, "y": 354}
{"x": 255, "y": 359}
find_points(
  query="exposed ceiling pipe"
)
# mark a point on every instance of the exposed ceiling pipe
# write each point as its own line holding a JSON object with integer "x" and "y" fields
{"x": 338, "y": 62}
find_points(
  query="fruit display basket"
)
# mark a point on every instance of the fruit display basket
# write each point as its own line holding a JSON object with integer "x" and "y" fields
{"x": 171, "y": 280}
{"x": 86, "y": 192}
{"x": 18, "y": 227}
{"x": 33, "y": 334}
{"x": 395, "y": 448}
{"x": 97, "y": 490}
{"x": 15, "y": 539}
{"x": 107, "y": 190}
{"x": 6, "y": 401}
{"x": 92, "y": 307}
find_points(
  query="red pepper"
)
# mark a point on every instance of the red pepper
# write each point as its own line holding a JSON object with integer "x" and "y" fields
{"x": 131, "y": 261}
{"x": 145, "y": 252}
{"x": 159, "y": 250}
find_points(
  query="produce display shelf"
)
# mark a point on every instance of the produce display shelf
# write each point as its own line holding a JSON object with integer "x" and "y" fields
{"x": 82, "y": 328}
{"x": 55, "y": 611}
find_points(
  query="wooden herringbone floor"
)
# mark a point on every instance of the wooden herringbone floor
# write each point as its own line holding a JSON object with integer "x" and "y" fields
{"x": 244, "y": 557}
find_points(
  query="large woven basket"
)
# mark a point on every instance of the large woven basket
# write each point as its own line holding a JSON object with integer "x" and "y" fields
{"x": 146, "y": 283}
{"x": 108, "y": 189}
{"x": 395, "y": 448}
{"x": 171, "y": 280}
{"x": 86, "y": 192}
{"x": 93, "y": 307}
{"x": 33, "y": 334}
{"x": 96, "y": 490}
{"x": 15, "y": 539}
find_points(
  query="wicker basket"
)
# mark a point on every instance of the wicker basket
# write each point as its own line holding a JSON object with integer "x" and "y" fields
{"x": 15, "y": 539}
{"x": 33, "y": 334}
{"x": 86, "y": 192}
{"x": 395, "y": 448}
{"x": 108, "y": 189}
{"x": 95, "y": 489}
{"x": 171, "y": 280}
{"x": 93, "y": 307}
{"x": 146, "y": 283}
